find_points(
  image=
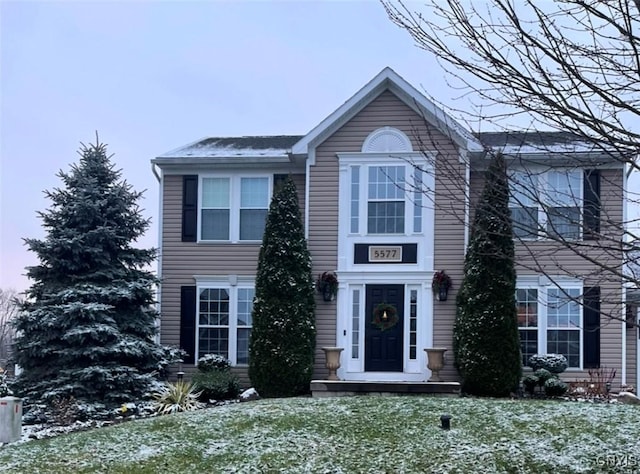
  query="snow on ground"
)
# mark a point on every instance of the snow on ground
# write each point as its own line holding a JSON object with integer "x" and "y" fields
{"x": 360, "y": 434}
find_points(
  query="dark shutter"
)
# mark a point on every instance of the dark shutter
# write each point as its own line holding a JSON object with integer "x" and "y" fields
{"x": 591, "y": 330}
{"x": 591, "y": 198}
{"x": 278, "y": 180}
{"x": 188, "y": 322}
{"x": 190, "y": 208}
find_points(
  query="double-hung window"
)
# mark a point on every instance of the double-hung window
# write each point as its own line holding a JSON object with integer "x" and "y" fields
{"x": 564, "y": 203}
{"x": 564, "y": 320}
{"x": 546, "y": 203}
{"x": 523, "y": 204}
{"x": 233, "y": 208}
{"x": 385, "y": 199}
{"x": 550, "y": 321}
{"x": 224, "y": 322}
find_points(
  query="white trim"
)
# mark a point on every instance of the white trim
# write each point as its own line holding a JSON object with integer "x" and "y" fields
{"x": 235, "y": 186}
{"x": 467, "y": 198}
{"x": 231, "y": 283}
{"x": 424, "y": 239}
{"x": 158, "y": 336}
{"x": 543, "y": 284}
{"x": 626, "y": 237}
{"x": 353, "y": 368}
{"x": 387, "y": 79}
{"x": 541, "y": 196}
{"x": 387, "y": 140}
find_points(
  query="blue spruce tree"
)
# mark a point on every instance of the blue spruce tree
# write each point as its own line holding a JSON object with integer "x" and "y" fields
{"x": 86, "y": 329}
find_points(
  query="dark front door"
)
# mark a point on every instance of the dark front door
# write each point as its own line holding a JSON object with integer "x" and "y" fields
{"x": 383, "y": 348}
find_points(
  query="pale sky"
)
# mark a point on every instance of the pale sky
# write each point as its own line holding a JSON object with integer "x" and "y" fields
{"x": 153, "y": 76}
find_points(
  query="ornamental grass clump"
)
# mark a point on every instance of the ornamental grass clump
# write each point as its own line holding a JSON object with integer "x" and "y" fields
{"x": 176, "y": 397}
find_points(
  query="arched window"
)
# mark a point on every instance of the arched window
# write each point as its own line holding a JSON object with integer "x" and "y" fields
{"x": 387, "y": 140}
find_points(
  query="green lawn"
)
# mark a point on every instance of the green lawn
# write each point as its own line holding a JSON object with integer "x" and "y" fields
{"x": 355, "y": 434}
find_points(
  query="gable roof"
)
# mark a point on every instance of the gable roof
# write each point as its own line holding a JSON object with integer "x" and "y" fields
{"x": 387, "y": 79}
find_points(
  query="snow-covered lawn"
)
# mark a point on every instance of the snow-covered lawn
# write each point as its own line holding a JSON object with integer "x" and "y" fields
{"x": 354, "y": 434}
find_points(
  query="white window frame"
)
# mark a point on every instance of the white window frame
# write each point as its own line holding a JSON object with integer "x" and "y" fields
{"x": 541, "y": 199}
{"x": 234, "y": 203}
{"x": 413, "y": 215}
{"x": 232, "y": 289}
{"x": 543, "y": 285}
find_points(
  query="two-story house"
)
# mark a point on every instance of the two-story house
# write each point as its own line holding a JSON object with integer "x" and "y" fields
{"x": 387, "y": 185}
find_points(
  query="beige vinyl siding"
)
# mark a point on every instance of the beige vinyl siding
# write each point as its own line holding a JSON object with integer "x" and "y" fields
{"x": 385, "y": 110}
{"x": 554, "y": 258}
{"x": 182, "y": 260}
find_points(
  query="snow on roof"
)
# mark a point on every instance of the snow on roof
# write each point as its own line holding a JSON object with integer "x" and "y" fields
{"x": 253, "y": 146}
{"x": 529, "y": 142}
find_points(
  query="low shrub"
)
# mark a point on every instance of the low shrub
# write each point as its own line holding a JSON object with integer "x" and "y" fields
{"x": 554, "y": 387}
{"x": 64, "y": 411}
{"x": 176, "y": 397}
{"x": 210, "y": 362}
{"x": 554, "y": 363}
{"x": 216, "y": 385}
{"x": 530, "y": 382}
{"x": 543, "y": 375}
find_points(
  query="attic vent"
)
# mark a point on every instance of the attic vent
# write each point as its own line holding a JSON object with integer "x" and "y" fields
{"x": 385, "y": 140}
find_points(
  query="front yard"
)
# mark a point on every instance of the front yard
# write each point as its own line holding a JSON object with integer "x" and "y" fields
{"x": 356, "y": 434}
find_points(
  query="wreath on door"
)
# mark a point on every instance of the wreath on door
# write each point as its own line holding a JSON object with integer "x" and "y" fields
{"x": 385, "y": 316}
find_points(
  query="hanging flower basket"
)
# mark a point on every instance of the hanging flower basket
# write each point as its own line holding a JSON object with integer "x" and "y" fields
{"x": 441, "y": 284}
{"x": 327, "y": 285}
{"x": 385, "y": 316}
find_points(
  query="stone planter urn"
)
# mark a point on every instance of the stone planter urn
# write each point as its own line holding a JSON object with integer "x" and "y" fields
{"x": 435, "y": 362}
{"x": 332, "y": 356}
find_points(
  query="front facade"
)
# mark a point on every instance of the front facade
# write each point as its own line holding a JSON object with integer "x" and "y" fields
{"x": 386, "y": 185}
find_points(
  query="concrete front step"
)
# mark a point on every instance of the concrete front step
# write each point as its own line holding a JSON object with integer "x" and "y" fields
{"x": 338, "y": 388}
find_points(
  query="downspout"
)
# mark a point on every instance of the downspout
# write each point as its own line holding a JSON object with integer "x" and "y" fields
{"x": 159, "y": 268}
{"x": 623, "y": 346}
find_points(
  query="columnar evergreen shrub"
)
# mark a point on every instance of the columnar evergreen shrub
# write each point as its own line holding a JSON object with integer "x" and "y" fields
{"x": 486, "y": 341}
{"x": 86, "y": 329}
{"x": 282, "y": 341}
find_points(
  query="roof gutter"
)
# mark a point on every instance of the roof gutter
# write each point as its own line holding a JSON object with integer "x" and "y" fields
{"x": 155, "y": 172}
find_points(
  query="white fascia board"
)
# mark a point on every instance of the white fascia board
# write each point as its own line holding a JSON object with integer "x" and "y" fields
{"x": 221, "y": 160}
{"x": 387, "y": 79}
